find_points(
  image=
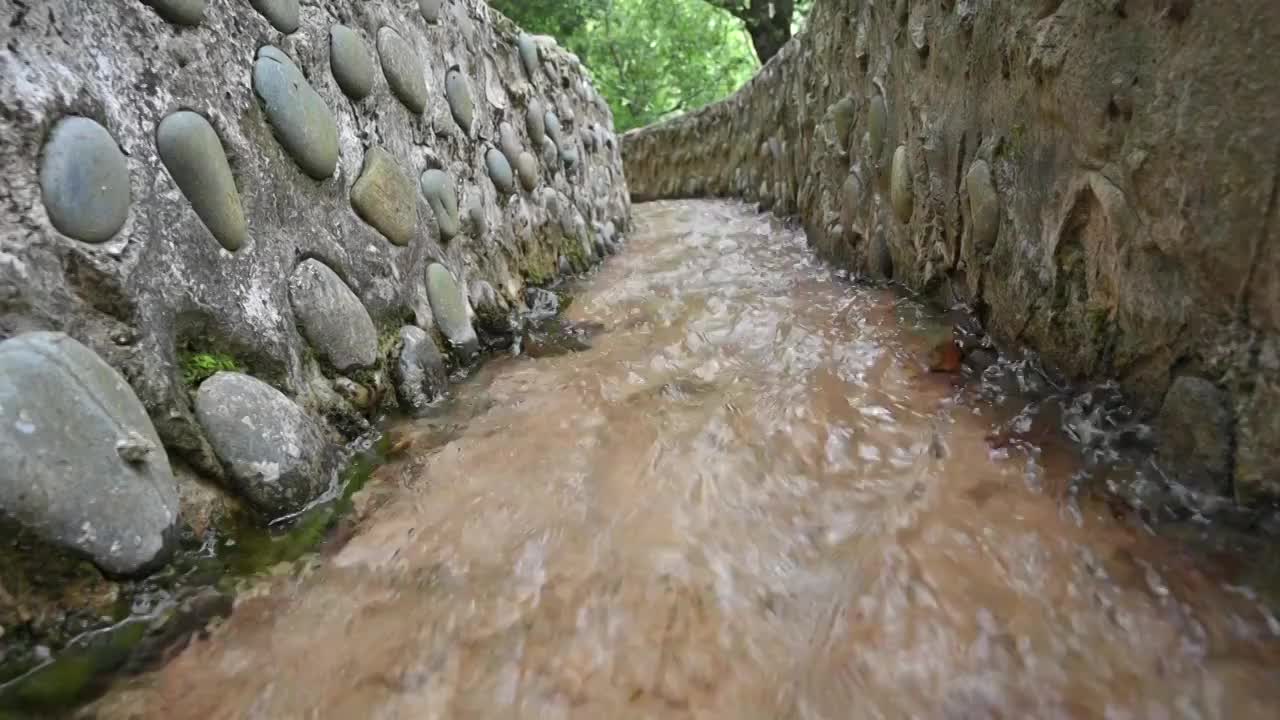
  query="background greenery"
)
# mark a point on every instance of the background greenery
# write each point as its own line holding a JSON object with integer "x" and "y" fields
{"x": 653, "y": 59}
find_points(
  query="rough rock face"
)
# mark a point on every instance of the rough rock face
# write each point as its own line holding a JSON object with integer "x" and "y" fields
{"x": 82, "y": 465}
{"x": 1097, "y": 180}
{"x": 154, "y": 244}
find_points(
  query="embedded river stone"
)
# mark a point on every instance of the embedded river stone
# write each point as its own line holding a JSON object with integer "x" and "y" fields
{"x": 276, "y": 455}
{"x": 549, "y": 153}
{"x": 420, "y": 373}
{"x": 403, "y": 69}
{"x": 569, "y": 156}
{"x": 282, "y": 14}
{"x": 850, "y": 201}
{"x": 877, "y": 121}
{"x": 900, "y": 191}
{"x": 1195, "y": 425}
{"x": 80, "y": 464}
{"x": 552, "y": 124}
{"x": 349, "y": 59}
{"x": 984, "y": 207}
{"x": 384, "y": 197}
{"x": 84, "y": 181}
{"x": 437, "y": 187}
{"x": 535, "y": 122}
{"x": 449, "y": 306}
{"x": 194, "y": 157}
{"x": 529, "y": 54}
{"x": 430, "y": 9}
{"x": 332, "y": 318}
{"x": 302, "y": 122}
{"x": 475, "y": 213}
{"x": 458, "y": 92}
{"x": 527, "y": 169}
{"x": 508, "y": 143}
{"x": 179, "y": 12}
{"x": 500, "y": 171}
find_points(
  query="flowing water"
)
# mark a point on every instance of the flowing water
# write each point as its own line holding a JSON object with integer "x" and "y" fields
{"x": 749, "y": 498}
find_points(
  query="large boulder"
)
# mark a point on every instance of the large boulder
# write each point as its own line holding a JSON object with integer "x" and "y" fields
{"x": 276, "y": 455}
{"x": 80, "y": 463}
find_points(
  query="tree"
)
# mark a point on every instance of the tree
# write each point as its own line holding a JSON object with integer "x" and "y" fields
{"x": 768, "y": 22}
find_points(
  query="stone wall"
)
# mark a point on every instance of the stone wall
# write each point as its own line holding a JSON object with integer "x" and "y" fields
{"x": 332, "y": 203}
{"x": 1095, "y": 178}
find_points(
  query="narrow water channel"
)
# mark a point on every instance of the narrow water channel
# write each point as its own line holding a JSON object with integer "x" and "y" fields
{"x": 749, "y": 498}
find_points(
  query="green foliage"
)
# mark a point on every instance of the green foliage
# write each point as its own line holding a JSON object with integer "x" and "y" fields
{"x": 651, "y": 59}
{"x": 198, "y": 367}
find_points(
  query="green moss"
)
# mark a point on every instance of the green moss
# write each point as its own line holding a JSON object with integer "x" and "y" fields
{"x": 199, "y": 366}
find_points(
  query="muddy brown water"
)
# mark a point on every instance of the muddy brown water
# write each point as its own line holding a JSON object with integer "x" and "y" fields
{"x": 748, "y": 499}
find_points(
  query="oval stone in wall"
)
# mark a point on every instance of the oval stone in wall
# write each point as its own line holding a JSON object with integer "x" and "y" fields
{"x": 384, "y": 197}
{"x": 193, "y": 155}
{"x": 535, "y": 122}
{"x": 984, "y": 207}
{"x": 528, "y": 48}
{"x": 508, "y": 142}
{"x": 403, "y": 69}
{"x": 80, "y": 463}
{"x": 84, "y": 180}
{"x": 332, "y": 318}
{"x": 276, "y": 455}
{"x": 302, "y": 122}
{"x": 430, "y": 9}
{"x": 552, "y": 124}
{"x": 527, "y": 169}
{"x": 500, "y": 171}
{"x": 458, "y": 92}
{"x": 437, "y": 188}
{"x": 451, "y": 311}
{"x": 180, "y": 12}
{"x": 282, "y": 14}
{"x": 349, "y": 59}
{"x": 900, "y": 190}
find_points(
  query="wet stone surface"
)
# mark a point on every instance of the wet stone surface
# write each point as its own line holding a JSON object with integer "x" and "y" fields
{"x": 84, "y": 181}
{"x": 403, "y": 69}
{"x": 351, "y": 62}
{"x": 301, "y": 121}
{"x": 421, "y": 375}
{"x": 193, "y": 155}
{"x": 385, "y": 197}
{"x": 451, "y": 310}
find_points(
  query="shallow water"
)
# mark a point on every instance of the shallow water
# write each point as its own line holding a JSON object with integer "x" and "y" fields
{"x": 748, "y": 499}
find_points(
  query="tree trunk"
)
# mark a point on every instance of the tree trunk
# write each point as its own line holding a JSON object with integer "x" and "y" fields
{"x": 768, "y": 22}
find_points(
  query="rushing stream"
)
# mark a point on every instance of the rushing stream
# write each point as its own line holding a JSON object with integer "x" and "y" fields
{"x": 749, "y": 498}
